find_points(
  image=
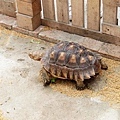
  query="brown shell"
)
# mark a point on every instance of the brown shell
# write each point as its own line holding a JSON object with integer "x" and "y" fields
{"x": 69, "y": 60}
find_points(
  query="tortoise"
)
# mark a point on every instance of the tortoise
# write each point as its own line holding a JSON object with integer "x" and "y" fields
{"x": 71, "y": 61}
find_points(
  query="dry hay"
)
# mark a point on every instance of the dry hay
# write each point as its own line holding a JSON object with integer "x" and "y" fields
{"x": 1, "y": 116}
{"x": 107, "y": 85}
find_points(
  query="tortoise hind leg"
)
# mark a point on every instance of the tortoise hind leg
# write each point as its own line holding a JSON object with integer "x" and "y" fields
{"x": 46, "y": 77}
{"x": 80, "y": 85}
{"x": 103, "y": 65}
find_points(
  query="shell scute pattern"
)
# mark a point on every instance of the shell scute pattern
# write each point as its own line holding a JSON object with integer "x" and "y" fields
{"x": 69, "y": 60}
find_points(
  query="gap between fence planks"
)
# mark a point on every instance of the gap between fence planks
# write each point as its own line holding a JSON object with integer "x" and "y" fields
{"x": 63, "y": 11}
{"x": 48, "y": 9}
{"x": 77, "y": 13}
{"x": 93, "y": 15}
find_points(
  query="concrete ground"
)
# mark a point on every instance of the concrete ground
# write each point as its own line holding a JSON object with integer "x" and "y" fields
{"x": 22, "y": 95}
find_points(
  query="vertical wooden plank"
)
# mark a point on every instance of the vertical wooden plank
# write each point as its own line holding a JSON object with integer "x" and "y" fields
{"x": 62, "y": 11}
{"x": 1, "y": 6}
{"x": 110, "y": 11}
{"x": 48, "y": 9}
{"x": 93, "y": 15}
{"x": 78, "y": 12}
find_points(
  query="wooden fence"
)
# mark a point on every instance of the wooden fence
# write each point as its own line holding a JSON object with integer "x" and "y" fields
{"x": 7, "y": 7}
{"x": 71, "y": 16}
{"x": 91, "y": 18}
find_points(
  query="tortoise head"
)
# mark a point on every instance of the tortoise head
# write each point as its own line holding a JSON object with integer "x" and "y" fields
{"x": 36, "y": 55}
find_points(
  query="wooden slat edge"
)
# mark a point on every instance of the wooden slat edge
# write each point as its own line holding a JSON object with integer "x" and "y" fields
{"x": 83, "y": 32}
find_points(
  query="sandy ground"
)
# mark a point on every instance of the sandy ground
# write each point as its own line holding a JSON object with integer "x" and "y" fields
{"x": 23, "y": 97}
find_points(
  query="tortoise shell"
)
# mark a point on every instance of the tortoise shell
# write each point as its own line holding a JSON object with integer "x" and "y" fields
{"x": 69, "y": 60}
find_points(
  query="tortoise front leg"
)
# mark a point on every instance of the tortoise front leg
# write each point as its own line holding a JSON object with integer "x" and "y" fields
{"x": 80, "y": 85}
{"x": 46, "y": 77}
{"x": 103, "y": 65}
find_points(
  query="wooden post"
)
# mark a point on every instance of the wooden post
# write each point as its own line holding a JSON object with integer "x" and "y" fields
{"x": 1, "y": 6}
{"x": 29, "y": 14}
{"x": 7, "y": 7}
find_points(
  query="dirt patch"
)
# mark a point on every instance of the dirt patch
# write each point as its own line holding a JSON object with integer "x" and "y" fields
{"x": 1, "y": 116}
{"x": 107, "y": 85}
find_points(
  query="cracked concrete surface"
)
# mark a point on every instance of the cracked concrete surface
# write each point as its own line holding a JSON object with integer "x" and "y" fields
{"x": 22, "y": 95}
